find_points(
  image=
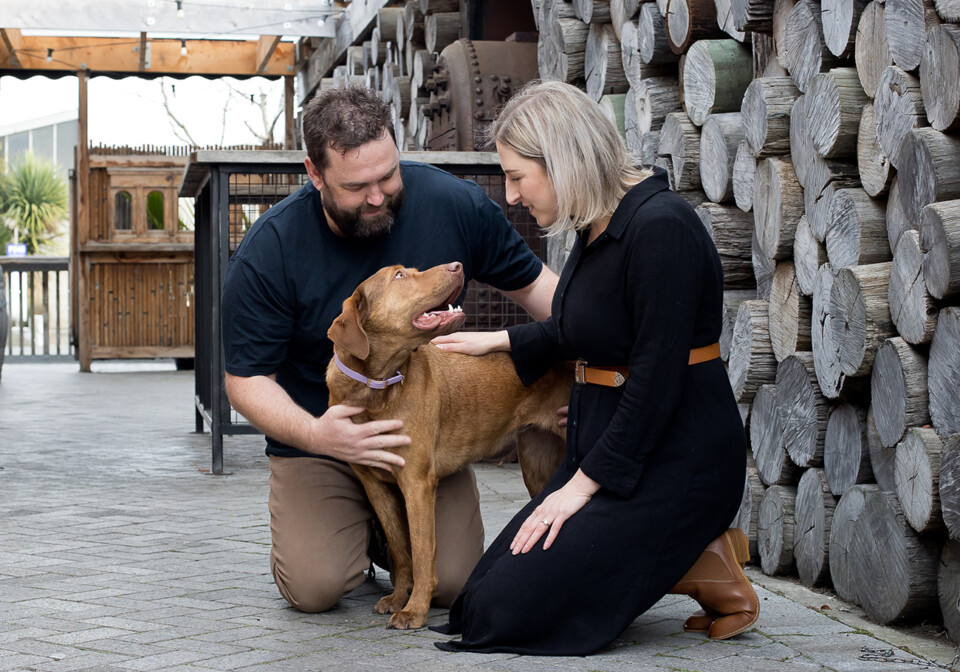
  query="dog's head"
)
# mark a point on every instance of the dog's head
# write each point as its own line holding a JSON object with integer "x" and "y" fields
{"x": 399, "y": 308}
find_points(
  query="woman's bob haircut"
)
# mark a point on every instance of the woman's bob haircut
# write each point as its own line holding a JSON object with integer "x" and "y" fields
{"x": 558, "y": 126}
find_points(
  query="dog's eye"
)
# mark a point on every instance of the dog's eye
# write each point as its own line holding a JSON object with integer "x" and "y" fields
{"x": 398, "y": 275}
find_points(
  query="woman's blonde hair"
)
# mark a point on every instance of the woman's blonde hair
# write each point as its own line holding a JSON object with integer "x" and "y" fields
{"x": 590, "y": 169}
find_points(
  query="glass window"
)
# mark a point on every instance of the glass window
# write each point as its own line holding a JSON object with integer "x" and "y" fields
{"x": 66, "y": 141}
{"x": 43, "y": 143}
{"x": 17, "y": 145}
{"x": 122, "y": 211}
{"x": 155, "y": 211}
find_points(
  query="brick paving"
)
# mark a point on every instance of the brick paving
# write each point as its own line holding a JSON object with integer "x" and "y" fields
{"x": 120, "y": 552}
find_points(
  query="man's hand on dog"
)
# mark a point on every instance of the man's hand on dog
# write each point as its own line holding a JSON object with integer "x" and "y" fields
{"x": 364, "y": 443}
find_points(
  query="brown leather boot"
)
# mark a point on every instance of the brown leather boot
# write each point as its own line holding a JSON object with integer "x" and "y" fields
{"x": 717, "y": 582}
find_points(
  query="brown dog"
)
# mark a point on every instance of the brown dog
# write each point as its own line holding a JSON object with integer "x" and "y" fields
{"x": 455, "y": 408}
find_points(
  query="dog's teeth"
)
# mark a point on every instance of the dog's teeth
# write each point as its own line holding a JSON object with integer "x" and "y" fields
{"x": 449, "y": 307}
{"x": 426, "y": 315}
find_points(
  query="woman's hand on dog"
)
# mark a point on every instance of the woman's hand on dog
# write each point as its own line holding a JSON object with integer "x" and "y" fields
{"x": 475, "y": 343}
{"x": 364, "y": 443}
{"x": 553, "y": 512}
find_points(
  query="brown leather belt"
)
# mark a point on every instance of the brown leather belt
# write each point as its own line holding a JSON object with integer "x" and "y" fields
{"x": 615, "y": 376}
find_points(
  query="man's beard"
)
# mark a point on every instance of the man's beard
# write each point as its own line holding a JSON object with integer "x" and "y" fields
{"x": 353, "y": 224}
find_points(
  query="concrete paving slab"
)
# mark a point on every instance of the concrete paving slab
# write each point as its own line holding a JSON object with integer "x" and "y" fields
{"x": 119, "y": 552}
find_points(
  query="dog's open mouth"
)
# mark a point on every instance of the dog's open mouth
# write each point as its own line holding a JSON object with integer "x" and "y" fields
{"x": 439, "y": 316}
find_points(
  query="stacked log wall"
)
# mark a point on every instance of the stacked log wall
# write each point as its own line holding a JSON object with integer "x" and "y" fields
{"x": 841, "y": 330}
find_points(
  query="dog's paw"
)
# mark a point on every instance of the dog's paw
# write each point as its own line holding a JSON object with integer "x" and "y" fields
{"x": 407, "y": 619}
{"x": 391, "y": 604}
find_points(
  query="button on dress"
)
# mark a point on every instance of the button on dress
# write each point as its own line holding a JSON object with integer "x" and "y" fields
{"x": 667, "y": 448}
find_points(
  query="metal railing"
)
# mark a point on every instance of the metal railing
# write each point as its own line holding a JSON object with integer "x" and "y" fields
{"x": 37, "y": 295}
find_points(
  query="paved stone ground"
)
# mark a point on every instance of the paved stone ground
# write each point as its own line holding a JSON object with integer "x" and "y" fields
{"x": 119, "y": 552}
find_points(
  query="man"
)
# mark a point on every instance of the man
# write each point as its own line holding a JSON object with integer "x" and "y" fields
{"x": 362, "y": 209}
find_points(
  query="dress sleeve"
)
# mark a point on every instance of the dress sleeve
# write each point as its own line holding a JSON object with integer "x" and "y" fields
{"x": 663, "y": 285}
{"x": 535, "y": 347}
{"x": 257, "y": 320}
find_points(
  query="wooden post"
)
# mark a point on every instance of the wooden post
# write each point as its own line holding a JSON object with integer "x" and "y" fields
{"x": 289, "y": 135}
{"x": 802, "y": 409}
{"x": 940, "y": 77}
{"x": 898, "y": 107}
{"x": 857, "y": 233}
{"x": 766, "y": 108}
{"x": 911, "y": 306}
{"x": 744, "y": 176}
{"x": 789, "y": 313}
{"x": 813, "y": 515}
{"x": 898, "y": 387}
{"x": 917, "y": 474}
{"x": 730, "y": 229}
{"x": 751, "y": 361}
{"x": 775, "y": 530}
{"x": 808, "y": 255}
{"x": 940, "y": 243}
{"x": 949, "y": 485}
{"x": 948, "y": 587}
{"x": 83, "y": 226}
{"x": 846, "y": 457}
{"x": 845, "y": 572}
{"x": 871, "y": 50}
{"x": 883, "y": 460}
{"x": 720, "y": 137}
{"x": 944, "y": 363}
{"x": 872, "y": 163}
{"x": 840, "y": 18}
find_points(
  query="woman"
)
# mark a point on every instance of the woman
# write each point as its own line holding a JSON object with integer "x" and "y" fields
{"x": 655, "y": 460}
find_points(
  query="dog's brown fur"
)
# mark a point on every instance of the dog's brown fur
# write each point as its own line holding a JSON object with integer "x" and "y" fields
{"x": 455, "y": 408}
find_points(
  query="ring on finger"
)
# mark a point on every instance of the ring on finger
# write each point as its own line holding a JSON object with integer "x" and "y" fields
{"x": 546, "y": 522}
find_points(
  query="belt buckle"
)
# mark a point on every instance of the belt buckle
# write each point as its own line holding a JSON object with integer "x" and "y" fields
{"x": 579, "y": 375}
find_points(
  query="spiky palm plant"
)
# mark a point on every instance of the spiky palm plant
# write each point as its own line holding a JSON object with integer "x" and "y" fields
{"x": 36, "y": 200}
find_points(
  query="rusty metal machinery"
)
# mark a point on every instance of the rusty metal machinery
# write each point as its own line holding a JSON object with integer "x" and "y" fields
{"x": 467, "y": 87}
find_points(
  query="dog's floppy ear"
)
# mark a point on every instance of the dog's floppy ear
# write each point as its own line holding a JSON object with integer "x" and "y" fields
{"x": 347, "y": 330}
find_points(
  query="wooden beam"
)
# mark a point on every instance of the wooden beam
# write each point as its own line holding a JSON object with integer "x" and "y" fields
{"x": 266, "y": 45}
{"x": 331, "y": 51}
{"x": 109, "y": 54}
{"x": 142, "y": 52}
{"x": 13, "y": 41}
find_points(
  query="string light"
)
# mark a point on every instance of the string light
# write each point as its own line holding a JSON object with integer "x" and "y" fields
{"x": 322, "y": 20}
{"x": 179, "y": 9}
{"x": 49, "y": 55}
{"x": 183, "y": 47}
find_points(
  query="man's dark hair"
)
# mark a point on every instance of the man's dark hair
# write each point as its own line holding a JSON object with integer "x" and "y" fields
{"x": 344, "y": 118}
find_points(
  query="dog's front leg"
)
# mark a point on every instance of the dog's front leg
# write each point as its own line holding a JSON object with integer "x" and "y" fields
{"x": 421, "y": 499}
{"x": 388, "y": 505}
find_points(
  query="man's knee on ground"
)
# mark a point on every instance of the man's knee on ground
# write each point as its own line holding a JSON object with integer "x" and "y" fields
{"x": 314, "y": 589}
{"x": 449, "y": 582}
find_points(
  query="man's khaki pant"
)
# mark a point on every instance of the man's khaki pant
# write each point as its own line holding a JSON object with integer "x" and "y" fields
{"x": 320, "y": 524}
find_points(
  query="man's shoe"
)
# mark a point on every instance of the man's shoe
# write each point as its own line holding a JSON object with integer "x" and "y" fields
{"x": 717, "y": 582}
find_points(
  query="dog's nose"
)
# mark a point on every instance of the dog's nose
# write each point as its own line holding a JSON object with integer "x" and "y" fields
{"x": 455, "y": 267}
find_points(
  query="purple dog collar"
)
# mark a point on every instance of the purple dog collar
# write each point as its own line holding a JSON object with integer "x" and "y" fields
{"x": 369, "y": 382}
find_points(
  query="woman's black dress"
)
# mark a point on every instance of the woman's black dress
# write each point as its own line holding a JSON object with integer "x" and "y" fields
{"x": 667, "y": 448}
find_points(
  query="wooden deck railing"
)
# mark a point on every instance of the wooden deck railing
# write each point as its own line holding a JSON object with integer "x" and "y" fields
{"x": 37, "y": 294}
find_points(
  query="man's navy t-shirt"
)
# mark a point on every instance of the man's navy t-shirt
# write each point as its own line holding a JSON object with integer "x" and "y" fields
{"x": 289, "y": 277}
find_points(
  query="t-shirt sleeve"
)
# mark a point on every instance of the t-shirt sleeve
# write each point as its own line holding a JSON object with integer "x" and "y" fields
{"x": 501, "y": 257}
{"x": 257, "y": 316}
{"x": 664, "y": 287}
